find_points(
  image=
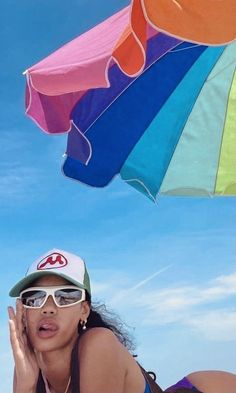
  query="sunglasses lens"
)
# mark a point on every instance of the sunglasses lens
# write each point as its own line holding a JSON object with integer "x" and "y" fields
{"x": 33, "y": 298}
{"x": 67, "y": 296}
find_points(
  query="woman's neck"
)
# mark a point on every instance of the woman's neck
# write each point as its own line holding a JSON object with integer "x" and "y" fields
{"x": 55, "y": 366}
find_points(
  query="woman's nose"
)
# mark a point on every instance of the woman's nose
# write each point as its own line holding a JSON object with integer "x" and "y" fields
{"x": 49, "y": 307}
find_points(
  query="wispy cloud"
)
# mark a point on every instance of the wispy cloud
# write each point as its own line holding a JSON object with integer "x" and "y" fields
{"x": 206, "y": 309}
{"x": 194, "y": 306}
{"x": 146, "y": 280}
{"x": 184, "y": 297}
{"x": 217, "y": 325}
{"x": 126, "y": 292}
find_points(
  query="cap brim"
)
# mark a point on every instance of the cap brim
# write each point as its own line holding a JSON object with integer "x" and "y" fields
{"x": 26, "y": 281}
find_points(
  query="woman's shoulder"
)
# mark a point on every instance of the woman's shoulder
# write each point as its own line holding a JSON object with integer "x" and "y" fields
{"x": 99, "y": 336}
{"x": 99, "y": 341}
{"x": 106, "y": 365}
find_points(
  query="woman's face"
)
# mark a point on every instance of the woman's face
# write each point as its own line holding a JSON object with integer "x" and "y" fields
{"x": 50, "y": 327}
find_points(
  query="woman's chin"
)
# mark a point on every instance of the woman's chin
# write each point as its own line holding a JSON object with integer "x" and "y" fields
{"x": 51, "y": 341}
{"x": 45, "y": 342}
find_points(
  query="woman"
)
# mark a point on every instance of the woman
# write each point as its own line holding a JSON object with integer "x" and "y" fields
{"x": 61, "y": 345}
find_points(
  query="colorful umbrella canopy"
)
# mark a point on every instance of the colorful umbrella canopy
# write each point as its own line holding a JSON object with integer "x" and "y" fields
{"x": 148, "y": 94}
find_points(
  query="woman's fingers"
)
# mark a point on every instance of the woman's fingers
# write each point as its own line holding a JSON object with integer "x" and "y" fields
{"x": 19, "y": 316}
{"x": 11, "y": 313}
{"x": 15, "y": 334}
{"x": 12, "y": 318}
{"x": 19, "y": 322}
{"x": 18, "y": 330}
{"x": 14, "y": 340}
{"x": 19, "y": 342}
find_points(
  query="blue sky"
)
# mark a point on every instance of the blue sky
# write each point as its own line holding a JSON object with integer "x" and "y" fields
{"x": 167, "y": 269}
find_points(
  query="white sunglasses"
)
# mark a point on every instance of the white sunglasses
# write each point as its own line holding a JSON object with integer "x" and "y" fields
{"x": 63, "y": 296}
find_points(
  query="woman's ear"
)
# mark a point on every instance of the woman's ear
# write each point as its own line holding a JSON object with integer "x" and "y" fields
{"x": 85, "y": 309}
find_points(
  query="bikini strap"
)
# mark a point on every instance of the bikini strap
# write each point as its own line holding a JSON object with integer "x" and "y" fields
{"x": 154, "y": 387}
{"x": 74, "y": 369}
{"x": 41, "y": 388}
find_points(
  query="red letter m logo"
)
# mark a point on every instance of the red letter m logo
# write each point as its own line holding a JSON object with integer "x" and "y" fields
{"x": 53, "y": 261}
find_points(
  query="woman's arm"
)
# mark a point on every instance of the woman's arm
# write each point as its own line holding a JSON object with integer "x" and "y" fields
{"x": 213, "y": 381}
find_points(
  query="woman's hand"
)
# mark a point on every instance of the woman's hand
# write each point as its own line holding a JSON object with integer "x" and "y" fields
{"x": 26, "y": 367}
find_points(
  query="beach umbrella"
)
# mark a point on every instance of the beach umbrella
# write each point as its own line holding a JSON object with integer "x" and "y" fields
{"x": 148, "y": 94}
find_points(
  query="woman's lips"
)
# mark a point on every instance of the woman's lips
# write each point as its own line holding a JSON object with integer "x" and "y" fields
{"x": 47, "y": 329}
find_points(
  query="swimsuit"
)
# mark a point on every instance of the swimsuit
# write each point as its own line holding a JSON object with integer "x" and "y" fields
{"x": 147, "y": 388}
{"x": 183, "y": 383}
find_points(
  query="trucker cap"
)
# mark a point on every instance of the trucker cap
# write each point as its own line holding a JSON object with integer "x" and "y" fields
{"x": 56, "y": 262}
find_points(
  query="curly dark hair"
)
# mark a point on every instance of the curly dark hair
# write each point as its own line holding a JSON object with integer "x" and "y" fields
{"x": 100, "y": 316}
